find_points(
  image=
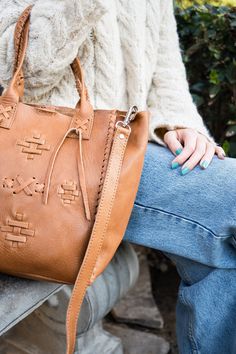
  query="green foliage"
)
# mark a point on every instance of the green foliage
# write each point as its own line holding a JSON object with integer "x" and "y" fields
{"x": 208, "y": 39}
{"x": 187, "y": 3}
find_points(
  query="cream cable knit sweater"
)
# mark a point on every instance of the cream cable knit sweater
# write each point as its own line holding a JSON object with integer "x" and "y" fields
{"x": 129, "y": 50}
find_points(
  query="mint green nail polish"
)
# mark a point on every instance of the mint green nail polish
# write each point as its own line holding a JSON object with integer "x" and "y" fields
{"x": 204, "y": 164}
{"x": 174, "y": 165}
{"x": 184, "y": 171}
{"x": 178, "y": 151}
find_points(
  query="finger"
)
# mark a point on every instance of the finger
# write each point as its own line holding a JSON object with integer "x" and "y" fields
{"x": 220, "y": 152}
{"x": 171, "y": 140}
{"x": 189, "y": 138}
{"x": 196, "y": 156}
{"x": 208, "y": 156}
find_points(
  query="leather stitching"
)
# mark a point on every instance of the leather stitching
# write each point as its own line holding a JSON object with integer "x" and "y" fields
{"x": 4, "y": 112}
{"x": 19, "y": 35}
{"x": 113, "y": 197}
{"x": 17, "y": 230}
{"x": 23, "y": 185}
{"x": 33, "y": 146}
{"x": 83, "y": 268}
{"x": 68, "y": 192}
{"x": 39, "y": 187}
{"x": 7, "y": 113}
{"x": 9, "y": 183}
{"x": 84, "y": 124}
{"x": 110, "y": 134}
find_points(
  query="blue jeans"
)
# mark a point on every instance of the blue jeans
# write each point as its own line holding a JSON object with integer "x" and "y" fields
{"x": 192, "y": 219}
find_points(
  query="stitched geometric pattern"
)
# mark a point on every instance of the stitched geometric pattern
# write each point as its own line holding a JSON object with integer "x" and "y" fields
{"x": 79, "y": 124}
{"x": 23, "y": 185}
{"x": 8, "y": 183}
{"x": 6, "y": 115}
{"x": 39, "y": 187}
{"x": 68, "y": 192}
{"x": 33, "y": 146}
{"x": 18, "y": 185}
{"x": 17, "y": 230}
{"x": 4, "y": 112}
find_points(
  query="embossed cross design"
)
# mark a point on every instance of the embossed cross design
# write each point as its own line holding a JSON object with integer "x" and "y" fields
{"x": 18, "y": 184}
{"x": 23, "y": 185}
{"x": 4, "y": 111}
{"x": 17, "y": 230}
{"x": 33, "y": 146}
{"x": 79, "y": 124}
{"x": 68, "y": 192}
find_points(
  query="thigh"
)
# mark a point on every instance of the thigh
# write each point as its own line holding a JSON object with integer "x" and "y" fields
{"x": 199, "y": 206}
{"x": 206, "y": 196}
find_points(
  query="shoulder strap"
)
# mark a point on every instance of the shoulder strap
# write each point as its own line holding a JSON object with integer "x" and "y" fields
{"x": 85, "y": 276}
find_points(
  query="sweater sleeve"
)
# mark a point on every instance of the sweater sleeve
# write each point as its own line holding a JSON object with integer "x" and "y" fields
{"x": 57, "y": 30}
{"x": 169, "y": 99}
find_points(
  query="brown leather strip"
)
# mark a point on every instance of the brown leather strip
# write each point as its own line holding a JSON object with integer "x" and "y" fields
{"x": 109, "y": 139}
{"x": 18, "y": 35}
{"x": 10, "y": 237}
{"x": 85, "y": 276}
{"x": 79, "y": 79}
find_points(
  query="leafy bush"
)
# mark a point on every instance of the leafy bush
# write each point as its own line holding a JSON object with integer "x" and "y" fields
{"x": 208, "y": 39}
{"x": 187, "y": 3}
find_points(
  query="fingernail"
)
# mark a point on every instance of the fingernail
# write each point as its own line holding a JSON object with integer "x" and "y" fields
{"x": 174, "y": 165}
{"x": 184, "y": 171}
{"x": 204, "y": 164}
{"x": 178, "y": 151}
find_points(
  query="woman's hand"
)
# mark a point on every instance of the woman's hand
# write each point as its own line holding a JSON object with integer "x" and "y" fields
{"x": 191, "y": 148}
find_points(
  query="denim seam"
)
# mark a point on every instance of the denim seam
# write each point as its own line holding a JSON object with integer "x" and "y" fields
{"x": 183, "y": 218}
{"x": 194, "y": 347}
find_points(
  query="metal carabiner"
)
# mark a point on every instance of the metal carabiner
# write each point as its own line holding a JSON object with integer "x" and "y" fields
{"x": 130, "y": 115}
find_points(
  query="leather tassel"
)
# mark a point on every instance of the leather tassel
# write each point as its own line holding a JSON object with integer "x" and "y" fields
{"x": 82, "y": 180}
{"x": 81, "y": 172}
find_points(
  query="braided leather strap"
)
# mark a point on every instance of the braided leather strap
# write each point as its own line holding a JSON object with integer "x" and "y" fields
{"x": 18, "y": 36}
{"x": 19, "y": 41}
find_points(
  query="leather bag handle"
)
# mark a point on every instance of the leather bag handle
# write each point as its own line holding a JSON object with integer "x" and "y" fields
{"x": 21, "y": 35}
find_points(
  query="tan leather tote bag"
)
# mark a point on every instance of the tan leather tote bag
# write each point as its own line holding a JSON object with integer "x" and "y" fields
{"x": 68, "y": 181}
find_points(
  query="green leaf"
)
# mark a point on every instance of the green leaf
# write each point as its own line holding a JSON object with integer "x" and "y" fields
{"x": 214, "y": 77}
{"x": 226, "y": 146}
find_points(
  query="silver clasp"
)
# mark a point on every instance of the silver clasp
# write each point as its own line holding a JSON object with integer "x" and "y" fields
{"x": 130, "y": 115}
